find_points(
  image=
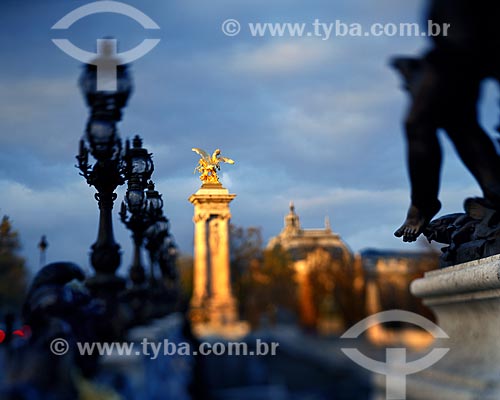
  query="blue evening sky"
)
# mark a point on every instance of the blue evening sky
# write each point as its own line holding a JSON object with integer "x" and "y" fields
{"x": 317, "y": 122}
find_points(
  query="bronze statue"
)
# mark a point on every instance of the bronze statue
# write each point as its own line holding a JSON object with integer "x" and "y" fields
{"x": 444, "y": 87}
{"x": 209, "y": 165}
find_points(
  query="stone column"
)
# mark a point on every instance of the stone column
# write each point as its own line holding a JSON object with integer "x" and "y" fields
{"x": 222, "y": 303}
{"x": 212, "y": 294}
{"x": 200, "y": 261}
{"x": 223, "y": 279}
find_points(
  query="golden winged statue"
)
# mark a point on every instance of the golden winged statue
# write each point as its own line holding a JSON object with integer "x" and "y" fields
{"x": 208, "y": 165}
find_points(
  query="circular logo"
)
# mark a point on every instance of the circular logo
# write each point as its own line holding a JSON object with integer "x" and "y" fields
{"x": 59, "y": 347}
{"x": 231, "y": 27}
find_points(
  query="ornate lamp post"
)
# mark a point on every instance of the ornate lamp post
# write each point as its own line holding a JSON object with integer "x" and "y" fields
{"x": 102, "y": 141}
{"x": 168, "y": 260}
{"x": 158, "y": 230}
{"x": 160, "y": 243}
{"x": 138, "y": 169}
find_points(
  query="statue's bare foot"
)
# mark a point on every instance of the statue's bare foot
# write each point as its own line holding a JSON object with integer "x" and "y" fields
{"x": 416, "y": 222}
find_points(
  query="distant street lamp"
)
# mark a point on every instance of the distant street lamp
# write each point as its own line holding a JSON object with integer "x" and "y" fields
{"x": 138, "y": 169}
{"x": 43, "y": 249}
{"x": 158, "y": 232}
{"x": 103, "y": 142}
{"x": 168, "y": 261}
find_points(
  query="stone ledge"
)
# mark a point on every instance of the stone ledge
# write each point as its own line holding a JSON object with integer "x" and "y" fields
{"x": 475, "y": 276}
{"x": 466, "y": 301}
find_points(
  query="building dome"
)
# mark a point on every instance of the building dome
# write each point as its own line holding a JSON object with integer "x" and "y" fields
{"x": 299, "y": 242}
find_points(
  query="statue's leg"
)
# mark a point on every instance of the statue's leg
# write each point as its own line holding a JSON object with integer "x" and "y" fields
{"x": 471, "y": 142}
{"x": 424, "y": 156}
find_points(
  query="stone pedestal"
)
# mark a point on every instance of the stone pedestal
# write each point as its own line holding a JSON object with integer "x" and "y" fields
{"x": 466, "y": 301}
{"x": 212, "y": 302}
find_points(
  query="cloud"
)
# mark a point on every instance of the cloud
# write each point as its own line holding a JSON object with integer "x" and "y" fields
{"x": 278, "y": 57}
{"x": 67, "y": 215}
{"x": 38, "y": 117}
{"x": 39, "y": 92}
